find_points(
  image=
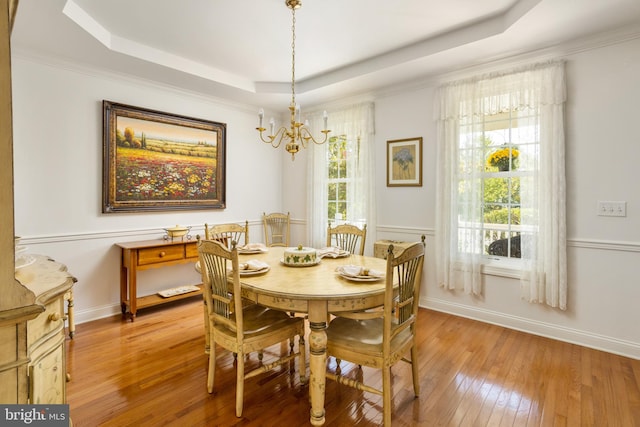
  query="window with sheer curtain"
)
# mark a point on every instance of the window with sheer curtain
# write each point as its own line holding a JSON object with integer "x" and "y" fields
{"x": 341, "y": 161}
{"x": 341, "y": 173}
{"x": 501, "y": 191}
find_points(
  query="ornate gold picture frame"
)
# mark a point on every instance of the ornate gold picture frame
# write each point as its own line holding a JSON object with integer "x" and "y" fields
{"x": 155, "y": 161}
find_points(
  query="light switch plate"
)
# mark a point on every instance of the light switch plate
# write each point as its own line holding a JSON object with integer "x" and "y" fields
{"x": 612, "y": 208}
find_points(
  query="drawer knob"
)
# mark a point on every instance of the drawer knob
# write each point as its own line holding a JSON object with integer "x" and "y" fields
{"x": 54, "y": 317}
{"x": 161, "y": 254}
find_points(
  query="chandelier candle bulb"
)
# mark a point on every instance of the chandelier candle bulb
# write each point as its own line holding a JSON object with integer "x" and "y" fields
{"x": 261, "y": 116}
{"x": 272, "y": 122}
{"x": 325, "y": 117}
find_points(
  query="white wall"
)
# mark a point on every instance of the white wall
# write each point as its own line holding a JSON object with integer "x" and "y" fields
{"x": 58, "y": 175}
{"x": 603, "y": 149}
{"x": 58, "y": 155}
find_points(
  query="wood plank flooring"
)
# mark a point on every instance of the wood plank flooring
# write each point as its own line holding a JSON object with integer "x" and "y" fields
{"x": 152, "y": 372}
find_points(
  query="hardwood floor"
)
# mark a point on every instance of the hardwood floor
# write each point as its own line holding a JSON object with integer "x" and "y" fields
{"x": 153, "y": 372}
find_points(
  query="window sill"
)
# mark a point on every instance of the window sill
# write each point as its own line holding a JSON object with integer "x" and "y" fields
{"x": 502, "y": 268}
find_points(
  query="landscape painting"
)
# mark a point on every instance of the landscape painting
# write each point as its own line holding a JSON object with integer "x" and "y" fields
{"x": 161, "y": 161}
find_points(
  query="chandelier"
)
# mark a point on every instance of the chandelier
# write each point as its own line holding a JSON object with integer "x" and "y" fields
{"x": 298, "y": 133}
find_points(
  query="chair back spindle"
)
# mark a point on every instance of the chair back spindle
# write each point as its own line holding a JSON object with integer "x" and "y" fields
{"x": 217, "y": 262}
{"x": 347, "y": 237}
{"x": 228, "y": 233}
{"x": 276, "y": 228}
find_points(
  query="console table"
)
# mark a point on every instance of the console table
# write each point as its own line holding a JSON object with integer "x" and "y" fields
{"x": 148, "y": 254}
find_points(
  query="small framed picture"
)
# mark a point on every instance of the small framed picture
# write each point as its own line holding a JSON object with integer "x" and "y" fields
{"x": 404, "y": 162}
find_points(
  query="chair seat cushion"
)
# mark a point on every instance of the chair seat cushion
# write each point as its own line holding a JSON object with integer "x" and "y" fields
{"x": 363, "y": 334}
{"x": 259, "y": 320}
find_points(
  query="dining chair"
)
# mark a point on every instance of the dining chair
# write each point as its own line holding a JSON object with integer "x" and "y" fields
{"x": 237, "y": 327}
{"x": 348, "y": 237}
{"x": 227, "y": 233}
{"x": 276, "y": 228}
{"x": 379, "y": 339}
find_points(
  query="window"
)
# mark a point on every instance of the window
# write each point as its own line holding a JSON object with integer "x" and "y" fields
{"x": 341, "y": 173}
{"x": 501, "y": 186}
{"x": 507, "y": 143}
{"x": 340, "y": 159}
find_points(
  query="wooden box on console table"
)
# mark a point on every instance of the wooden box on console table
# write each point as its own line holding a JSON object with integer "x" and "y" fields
{"x": 148, "y": 254}
{"x": 380, "y": 247}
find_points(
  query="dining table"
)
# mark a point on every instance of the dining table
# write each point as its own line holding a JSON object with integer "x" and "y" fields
{"x": 318, "y": 290}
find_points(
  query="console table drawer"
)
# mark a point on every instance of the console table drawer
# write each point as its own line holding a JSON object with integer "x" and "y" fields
{"x": 160, "y": 254}
{"x": 192, "y": 251}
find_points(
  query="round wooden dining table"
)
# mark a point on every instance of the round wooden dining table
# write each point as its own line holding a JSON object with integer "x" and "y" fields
{"x": 317, "y": 290}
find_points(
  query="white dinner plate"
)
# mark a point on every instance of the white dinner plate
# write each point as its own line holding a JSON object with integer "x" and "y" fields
{"x": 252, "y": 251}
{"x": 361, "y": 278}
{"x": 347, "y": 272}
{"x": 253, "y": 248}
{"x": 338, "y": 255}
{"x": 254, "y": 272}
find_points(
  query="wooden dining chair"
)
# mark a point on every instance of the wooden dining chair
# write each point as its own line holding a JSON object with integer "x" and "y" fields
{"x": 227, "y": 233}
{"x": 379, "y": 339}
{"x": 276, "y": 228}
{"x": 348, "y": 237}
{"x": 237, "y": 327}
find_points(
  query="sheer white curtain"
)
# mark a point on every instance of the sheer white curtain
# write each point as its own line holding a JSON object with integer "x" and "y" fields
{"x": 357, "y": 123}
{"x": 538, "y": 87}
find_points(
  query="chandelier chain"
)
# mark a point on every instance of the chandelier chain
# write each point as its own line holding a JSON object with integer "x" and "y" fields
{"x": 293, "y": 57}
{"x": 298, "y": 134}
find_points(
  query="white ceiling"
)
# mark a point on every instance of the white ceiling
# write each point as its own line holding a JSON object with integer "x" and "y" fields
{"x": 241, "y": 50}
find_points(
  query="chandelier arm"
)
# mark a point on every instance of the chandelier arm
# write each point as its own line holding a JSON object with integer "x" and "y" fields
{"x": 305, "y": 134}
{"x": 276, "y": 139}
{"x": 280, "y": 135}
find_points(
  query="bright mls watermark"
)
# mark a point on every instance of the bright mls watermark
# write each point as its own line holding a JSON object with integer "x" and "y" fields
{"x": 34, "y": 415}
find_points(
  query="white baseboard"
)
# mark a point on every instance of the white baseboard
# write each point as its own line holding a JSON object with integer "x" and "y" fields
{"x": 548, "y": 330}
{"x": 95, "y": 313}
